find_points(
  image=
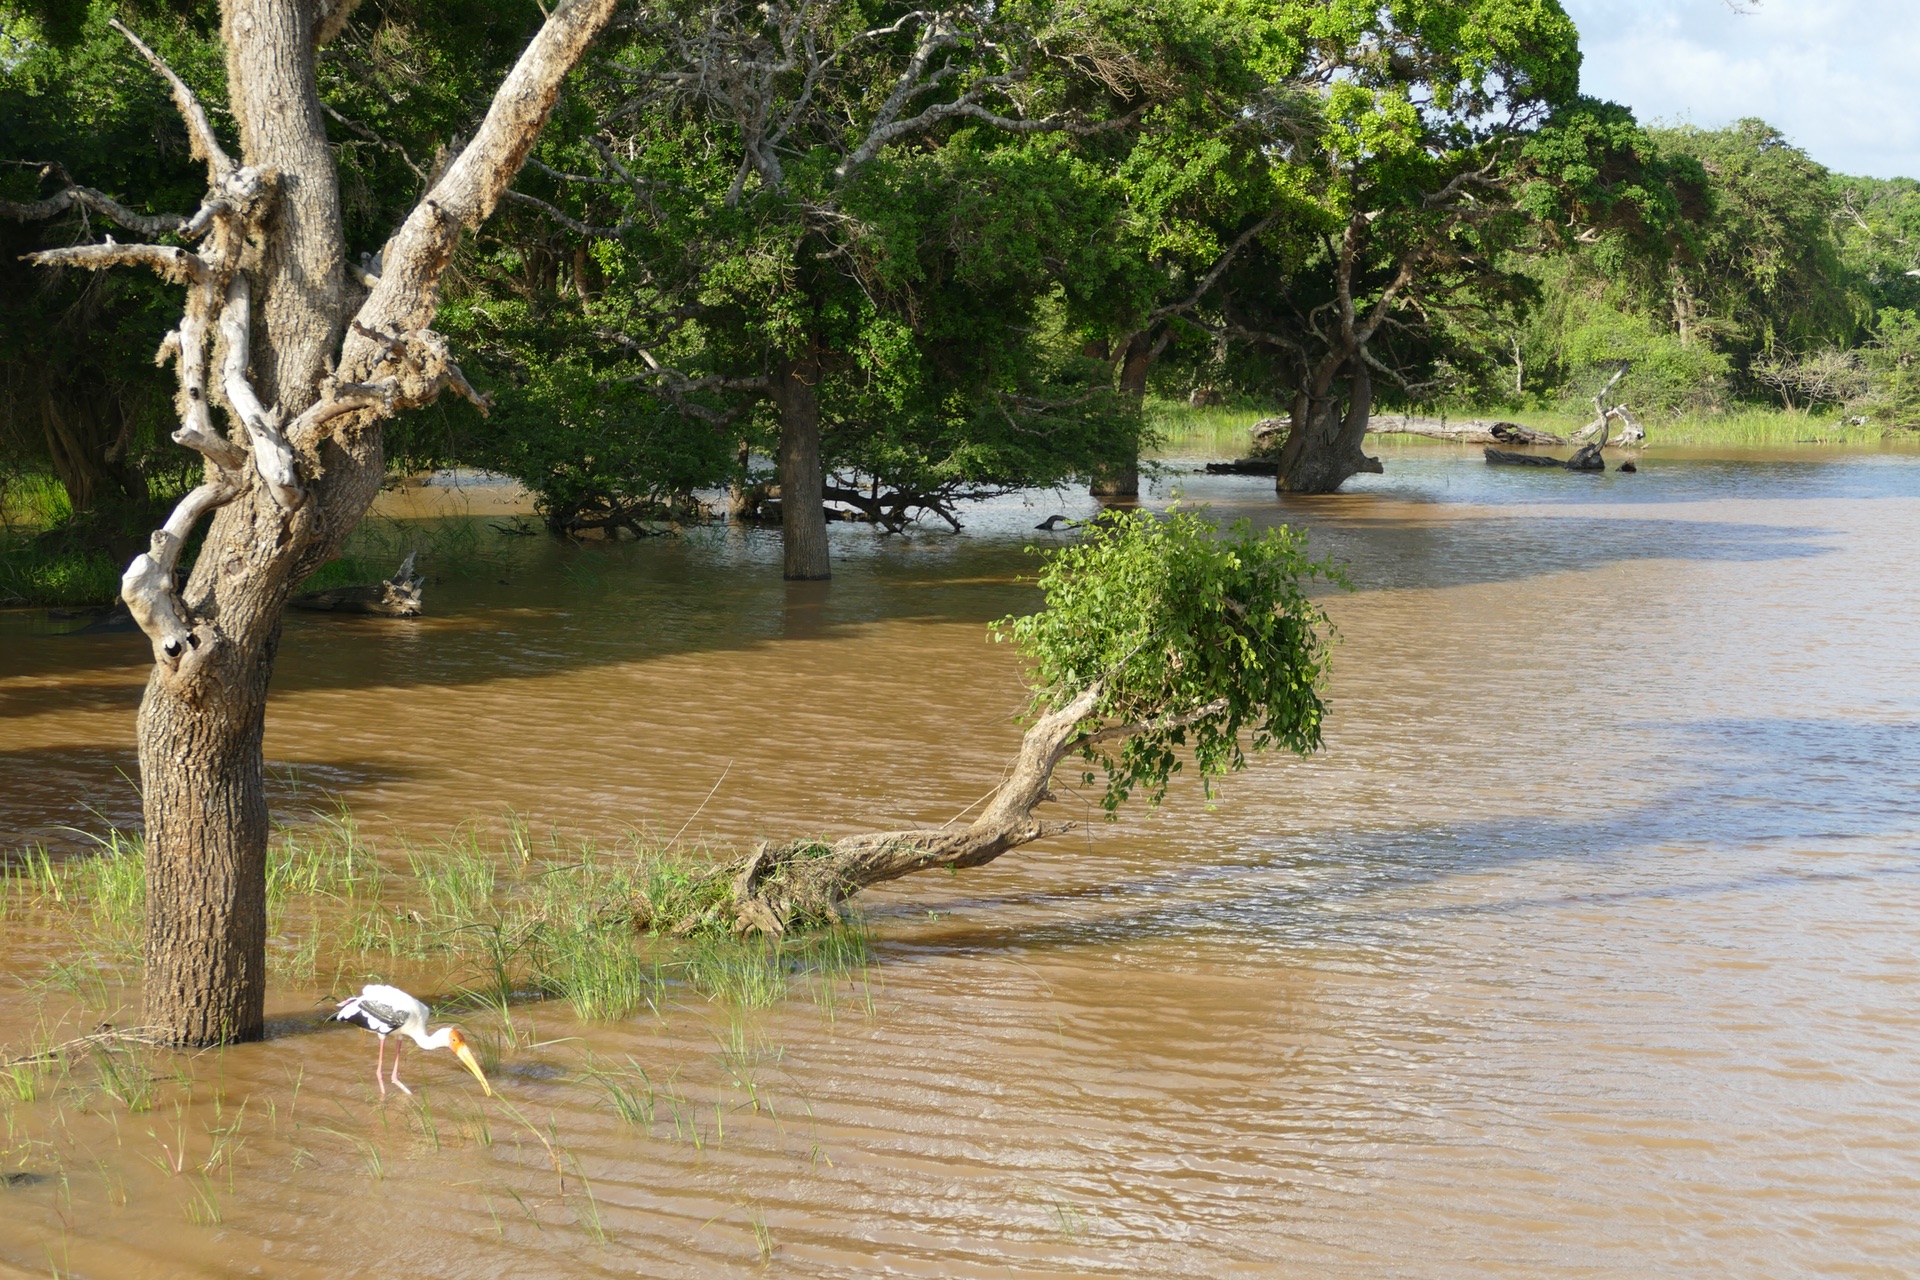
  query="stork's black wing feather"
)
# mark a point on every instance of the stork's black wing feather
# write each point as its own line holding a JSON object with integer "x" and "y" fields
{"x": 372, "y": 1015}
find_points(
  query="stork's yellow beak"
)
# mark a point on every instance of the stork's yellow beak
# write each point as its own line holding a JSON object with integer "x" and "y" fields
{"x": 466, "y": 1055}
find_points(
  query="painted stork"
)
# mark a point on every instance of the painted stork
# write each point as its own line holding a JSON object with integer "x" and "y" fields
{"x": 384, "y": 1010}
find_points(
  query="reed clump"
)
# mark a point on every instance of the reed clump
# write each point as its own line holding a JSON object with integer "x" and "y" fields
{"x": 612, "y": 930}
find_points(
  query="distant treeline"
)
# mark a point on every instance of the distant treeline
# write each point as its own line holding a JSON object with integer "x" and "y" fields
{"x": 950, "y": 250}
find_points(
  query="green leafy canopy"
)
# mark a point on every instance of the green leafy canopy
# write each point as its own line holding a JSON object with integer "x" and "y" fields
{"x": 1196, "y": 642}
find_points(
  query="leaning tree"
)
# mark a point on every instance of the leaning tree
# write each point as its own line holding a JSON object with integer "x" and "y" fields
{"x": 305, "y": 357}
{"x": 1160, "y": 643}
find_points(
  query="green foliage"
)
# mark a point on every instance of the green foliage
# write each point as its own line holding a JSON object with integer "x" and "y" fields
{"x": 1206, "y": 643}
{"x": 1893, "y": 362}
{"x": 79, "y": 396}
{"x": 932, "y": 283}
{"x": 1764, "y": 266}
{"x": 1879, "y": 227}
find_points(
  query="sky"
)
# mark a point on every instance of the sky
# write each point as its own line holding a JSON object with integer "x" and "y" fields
{"x": 1841, "y": 78}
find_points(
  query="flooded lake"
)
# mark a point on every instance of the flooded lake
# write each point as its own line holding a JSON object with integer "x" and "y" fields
{"x": 1587, "y": 946}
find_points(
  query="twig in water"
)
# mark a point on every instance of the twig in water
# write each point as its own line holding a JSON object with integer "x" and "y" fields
{"x": 150, "y": 1037}
{"x": 703, "y": 805}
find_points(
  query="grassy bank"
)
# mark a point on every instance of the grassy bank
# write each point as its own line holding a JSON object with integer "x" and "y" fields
{"x": 1222, "y": 431}
{"x": 527, "y": 917}
{"x": 43, "y": 560}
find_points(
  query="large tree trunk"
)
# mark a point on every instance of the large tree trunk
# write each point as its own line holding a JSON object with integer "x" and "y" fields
{"x": 1121, "y": 479}
{"x": 803, "y": 519}
{"x": 201, "y": 765}
{"x": 1322, "y": 450}
{"x": 302, "y": 468}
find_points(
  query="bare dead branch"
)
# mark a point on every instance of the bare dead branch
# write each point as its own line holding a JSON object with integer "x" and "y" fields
{"x": 97, "y": 201}
{"x": 180, "y": 266}
{"x": 303, "y": 433}
{"x": 271, "y": 456}
{"x": 148, "y": 584}
{"x": 200, "y": 136}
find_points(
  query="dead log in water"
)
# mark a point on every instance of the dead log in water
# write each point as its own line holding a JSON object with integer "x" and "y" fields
{"x": 1245, "y": 467}
{"x": 1466, "y": 431}
{"x": 398, "y": 597}
{"x": 1587, "y": 458}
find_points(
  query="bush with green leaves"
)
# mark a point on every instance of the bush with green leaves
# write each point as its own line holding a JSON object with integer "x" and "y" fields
{"x": 1892, "y": 362}
{"x": 1191, "y": 642}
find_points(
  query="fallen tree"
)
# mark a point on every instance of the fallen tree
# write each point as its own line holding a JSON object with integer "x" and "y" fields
{"x": 400, "y": 596}
{"x": 1586, "y": 458}
{"x": 1465, "y": 431}
{"x": 1161, "y": 644}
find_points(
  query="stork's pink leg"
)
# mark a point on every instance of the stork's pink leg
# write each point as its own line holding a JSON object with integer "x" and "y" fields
{"x": 397, "y": 1046}
{"x": 380, "y": 1066}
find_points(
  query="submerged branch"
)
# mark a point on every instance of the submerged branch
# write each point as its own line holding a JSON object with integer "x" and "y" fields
{"x": 146, "y": 1037}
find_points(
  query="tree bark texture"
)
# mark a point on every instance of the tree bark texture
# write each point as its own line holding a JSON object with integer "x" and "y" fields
{"x": 302, "y": 466}
{"x": 803, "y": 521}
{"x": 1121, "y": 480}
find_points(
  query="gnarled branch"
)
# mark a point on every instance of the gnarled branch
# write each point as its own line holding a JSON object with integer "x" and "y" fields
{"x": 271, "y": 456}
{"x": 148, "y": 584}
{"x": 180, "y": 266}
{"x": 99, "y": 202}
{"x": 200, "y": 136}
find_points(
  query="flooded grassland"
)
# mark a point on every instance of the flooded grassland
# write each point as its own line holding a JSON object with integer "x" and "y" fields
{"x": 1585, "y": 947}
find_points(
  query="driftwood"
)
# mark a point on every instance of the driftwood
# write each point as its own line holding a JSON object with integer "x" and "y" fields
{"x": 106, "y": 1037}
{"x": 1245, "y": 467}
{"x": 397, "y": 597}
{"x": 1632, "y": 434}
{"x": 1466, "y": 431}
{"x": 1587, "y": 458}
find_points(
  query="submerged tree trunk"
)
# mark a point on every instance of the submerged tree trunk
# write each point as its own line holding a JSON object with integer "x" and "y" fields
{"x": 201, "y": 766}
{"x": 302, "y": 467}
{"x": 1322, "y": 450}
{"x": 803, "y": 520}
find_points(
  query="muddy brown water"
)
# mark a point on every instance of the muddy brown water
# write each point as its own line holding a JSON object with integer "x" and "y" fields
{"x": 1587, "y": 947}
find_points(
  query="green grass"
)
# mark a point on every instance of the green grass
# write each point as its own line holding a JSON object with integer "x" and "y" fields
{"x": 40, "y": 571}
{"x": 1219, "y": 431}
{"x": 1223, "y": 432}
{"x": 1743, "y": 425}
{"x": 583, "y": 923}
{"x": 50, "y": 557}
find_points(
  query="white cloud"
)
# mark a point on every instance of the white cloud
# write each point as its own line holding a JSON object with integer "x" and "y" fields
{"x": 1841, "y": 78}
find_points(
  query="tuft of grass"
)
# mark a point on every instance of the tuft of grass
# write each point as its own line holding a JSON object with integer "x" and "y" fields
{"x": 600, "y": 971}
{"x": 592, "y": 925}
{"x": 127, "y": 1077}
{"x": 629, "y": 1092}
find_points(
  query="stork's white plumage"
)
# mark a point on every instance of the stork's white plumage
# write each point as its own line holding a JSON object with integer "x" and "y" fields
{"x": 386, "y": 1010}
